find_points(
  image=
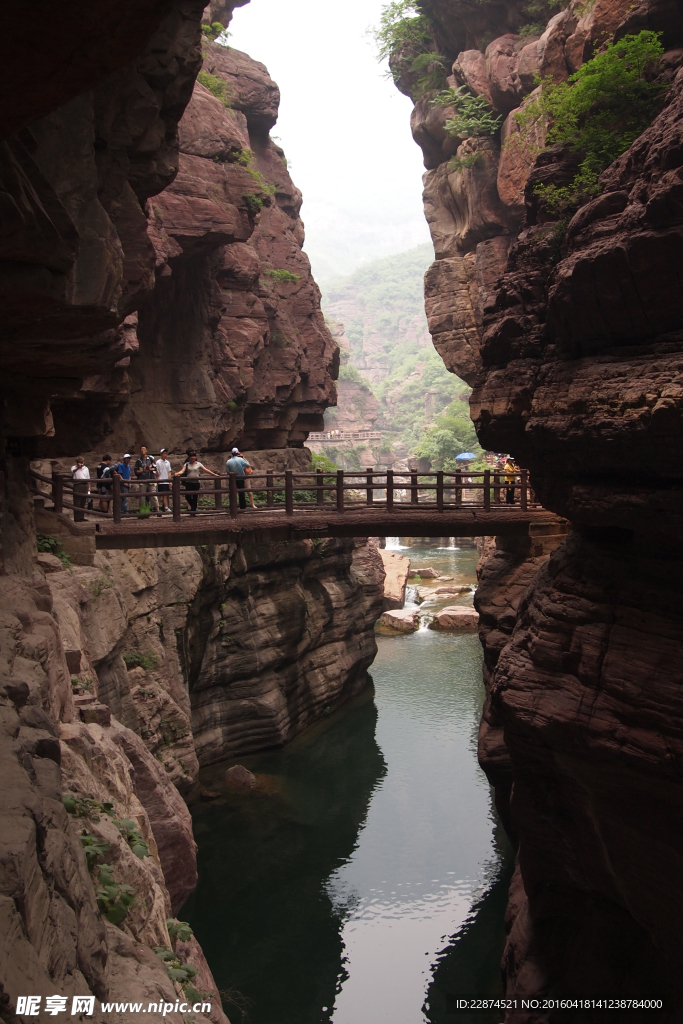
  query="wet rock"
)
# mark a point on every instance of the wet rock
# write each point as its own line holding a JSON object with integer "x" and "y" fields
{"x": 426, "y": 572}
{"x": 239, "y": 779}
{"x": 452, "y": 590}
{"x": 457, "y": 617}
{"x": 396, "y": 567}
{"x": 405, "y": 621}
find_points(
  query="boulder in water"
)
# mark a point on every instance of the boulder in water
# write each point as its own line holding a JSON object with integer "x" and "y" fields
{"x": 426, "y": 572}
{"x": 239, "y": 779}
{"x": 406, "y": 620}
{"x": 457, "y": 617}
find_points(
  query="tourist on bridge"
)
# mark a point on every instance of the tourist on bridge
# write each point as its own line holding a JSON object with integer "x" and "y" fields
{"x": 104, "y": 473}
{"x": 145, "y": 473}
{"x": 237, "y": 464}
{"x": 191, "y": 470}
{"x": 122, "y": 471}
{"x": 163, "y": 470}
{"x": 510, "y": 480}
{"x": 81, "y": 478}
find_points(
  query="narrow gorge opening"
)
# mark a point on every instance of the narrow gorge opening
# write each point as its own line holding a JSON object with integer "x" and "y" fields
{"x": 366, "y": 874}
{"x": 260, "y": 761}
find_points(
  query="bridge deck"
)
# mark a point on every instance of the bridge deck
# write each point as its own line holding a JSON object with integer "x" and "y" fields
{"x": 316, "y": 504}
{"x": 272, "y": 525}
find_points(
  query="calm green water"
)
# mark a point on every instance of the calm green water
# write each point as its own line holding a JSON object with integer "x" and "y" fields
{"x": 367, "y": 884}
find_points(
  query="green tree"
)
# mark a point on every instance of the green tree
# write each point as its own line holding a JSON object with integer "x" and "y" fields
{"x": 599, "y": 112}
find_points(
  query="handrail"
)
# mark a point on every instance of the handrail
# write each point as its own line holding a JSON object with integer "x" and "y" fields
{"x": 294, "y": 489}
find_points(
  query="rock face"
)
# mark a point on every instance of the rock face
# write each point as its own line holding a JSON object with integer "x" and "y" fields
{"x": 77, "y": 260}
{"x": 396, "y": 568}
{"x": 208, "y": 654}
{"x": 153, "y": 288}
{"x": 233, "y": 348}
{"x": 54, "y": 936}
{"x": 579, "y": 353}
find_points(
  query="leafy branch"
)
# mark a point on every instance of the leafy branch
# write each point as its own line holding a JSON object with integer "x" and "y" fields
{"x": 598, "y": 113}
{"x": 474, "y": 115}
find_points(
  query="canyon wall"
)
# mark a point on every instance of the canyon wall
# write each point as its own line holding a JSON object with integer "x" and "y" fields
{"x": 154, "y": 290}
{"x": 571, "y": 335}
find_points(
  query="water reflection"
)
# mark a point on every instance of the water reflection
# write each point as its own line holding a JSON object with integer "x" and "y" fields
{"x": 368, "y": 886}
{"x": 261, "y": 911}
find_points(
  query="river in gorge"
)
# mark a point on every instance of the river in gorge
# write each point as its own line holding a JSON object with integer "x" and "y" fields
{"x": 366, "y": 882}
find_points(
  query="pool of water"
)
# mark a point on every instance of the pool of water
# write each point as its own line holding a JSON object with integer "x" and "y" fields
{"x": 365, "y": 882}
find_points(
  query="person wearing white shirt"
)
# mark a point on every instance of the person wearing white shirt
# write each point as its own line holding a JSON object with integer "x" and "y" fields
{"x": 80, "y": 474}
{"x": 163, "y": 468}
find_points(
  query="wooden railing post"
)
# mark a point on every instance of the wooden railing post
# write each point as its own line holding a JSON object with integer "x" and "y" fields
{"x": 458, "y": 488}
{"x": 116, "y": 499}
{"x": 289, "y": 492}
{"x": 270, "y": 497}
{"x": 368, "y": 485}
{"x": 232, "y": 494}
{"x": 496, "y": 489}
{"x": 439, "y": 491}
{"x": 175, "y": 498}
{"x": 523, "y": 496}
{"x": 320, "y": 482}
{"x": 487, "y": 490}
{"x": 340, "y": 490}
{"x": 217, "y": 494}
{"x": 390, "y": 490}
{"x": 58, "y": 491}
{"x": 413, "y": 488}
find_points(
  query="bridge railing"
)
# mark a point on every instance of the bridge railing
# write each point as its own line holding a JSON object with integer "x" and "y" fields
{"x": 286, "y": 491}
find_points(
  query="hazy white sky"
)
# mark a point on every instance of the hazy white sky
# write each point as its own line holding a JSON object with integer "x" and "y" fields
{"x": 345, "y": 128}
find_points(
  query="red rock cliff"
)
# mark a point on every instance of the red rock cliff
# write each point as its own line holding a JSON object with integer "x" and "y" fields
{"x": 98, "y": 268}
{"x": 575, "y": 353}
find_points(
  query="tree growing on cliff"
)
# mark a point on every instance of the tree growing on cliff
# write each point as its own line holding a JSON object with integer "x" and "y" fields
{"x": 404, "y": 39}
{"x": 474, "y": 116}
{"x": 598, "y": 113}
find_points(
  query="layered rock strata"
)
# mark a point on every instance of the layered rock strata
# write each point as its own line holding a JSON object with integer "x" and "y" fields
{"x": 573, "y": 342}
{"x": 55, "y": 936}
{"x": 189, "y": 315}
{"x": 230, "y": 347}
{"x": 210, "y": 654}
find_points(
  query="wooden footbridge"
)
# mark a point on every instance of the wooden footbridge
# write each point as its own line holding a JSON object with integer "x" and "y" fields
{"x": 292, "y": 506}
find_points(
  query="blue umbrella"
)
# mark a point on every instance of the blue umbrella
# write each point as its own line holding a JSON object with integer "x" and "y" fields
{"x": 466, "y": 455}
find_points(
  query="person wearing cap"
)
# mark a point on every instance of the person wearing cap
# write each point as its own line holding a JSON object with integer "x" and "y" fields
{"x": 163, "y": 468}
{"x": 122, "y": 471}
{"x": 237, "y": 464}
{"x": 145, "y": 473}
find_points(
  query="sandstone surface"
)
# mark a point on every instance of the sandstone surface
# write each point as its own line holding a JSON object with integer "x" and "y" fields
{"x": 578, "y": 352}
{"x": 455, "y": 617}
{"x": 404, "y": 621}
{"x": 396, "y": 567}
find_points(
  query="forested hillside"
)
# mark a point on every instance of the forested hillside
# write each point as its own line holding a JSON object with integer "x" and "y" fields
{"x": 391, "y": 377}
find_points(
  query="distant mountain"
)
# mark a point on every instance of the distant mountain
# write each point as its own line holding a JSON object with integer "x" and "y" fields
{"x": 392, "y": 379}
{"x": 382, "y": 308}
